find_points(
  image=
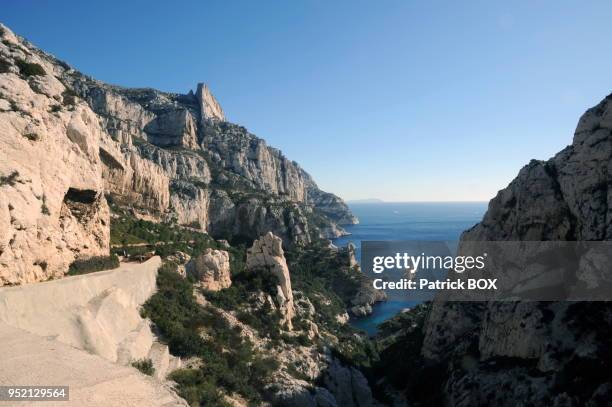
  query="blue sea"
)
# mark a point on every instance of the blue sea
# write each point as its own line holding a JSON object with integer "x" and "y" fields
{"x": 441, "y": 221}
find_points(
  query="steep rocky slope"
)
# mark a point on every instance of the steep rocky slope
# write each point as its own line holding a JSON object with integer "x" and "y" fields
{"x": 538, "y": 353}
{"x": 69, "y": 142}
{"x": 274, "y": 331}
{"x": 88, "y": 168}
{"x": 560, "y": 350}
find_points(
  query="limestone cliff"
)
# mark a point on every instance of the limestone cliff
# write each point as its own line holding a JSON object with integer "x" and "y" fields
{"x": 69, "y": 142}
{"x": 52, "y": 206}
{"x": 553, "y": 353}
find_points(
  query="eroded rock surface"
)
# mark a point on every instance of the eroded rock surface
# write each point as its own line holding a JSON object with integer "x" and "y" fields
{"x": 211, "y": 269}
{"x": 97, "y": 312}
{"x": 46, "y": 158}
{"x": 552, "y": 352}
{"x": 165, "y": 156}
{"x": 267, "y": 254}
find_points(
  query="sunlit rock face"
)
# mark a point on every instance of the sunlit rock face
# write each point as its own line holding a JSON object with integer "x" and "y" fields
{"x": 267, "y": 254}
{"x": 52, "y": 207}
{"x": 164, "y": 156}
{"x": 211, "y": 269}
{"x": 210, "y": 109}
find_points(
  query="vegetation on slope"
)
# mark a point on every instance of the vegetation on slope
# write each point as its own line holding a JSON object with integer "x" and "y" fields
{"x": 93, "y": 264}
{"x": 399, "y": 341}
{"x": 145, "y": 366}
{"x": 231, "y": 365}
{"x": 230, "y": 362}
{"x": 132, "y": 236}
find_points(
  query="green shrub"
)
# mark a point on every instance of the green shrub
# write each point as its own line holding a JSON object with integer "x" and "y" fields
{"x": 4, "y": 66}
{"x": 32, "y": 136}
{"x": 93, "y": 264}
{"x": 44, "y": 208}
{"x": 145, "y": 366}
{"x": 10, "y": 179}
{"x": 230, "y": 362}
{"x": 29, "y": 68}
{"x": 194, "y": 388}
{"x": 69, "y": 97}
{"x": 164, "y": 238}
{"x": 301, "y": 339}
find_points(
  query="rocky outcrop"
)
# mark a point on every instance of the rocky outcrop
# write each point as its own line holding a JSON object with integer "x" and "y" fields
{"x": 361, "y": 304}
{"x": 177, "y": 165}
{"x": 211, "y": 269}
{"x": 134, "y": 181}
{"x": 210, "y": 109}
{"x": 267, "y": 254}
{"x": 340, "y": 386}
{"x": 252, "y": 217}
{"x": 166, "y": 156}
{"x": 174, "y": 128}
{"x": 351, "y": 249}
{"x": 348, "y": 385}
{"x": 52, "y": 208}
{"x": 551, "y": 351}
{"x": 191, "y": 204}
{"x": 234, "y": 149}
{"x": 330, "y": 205}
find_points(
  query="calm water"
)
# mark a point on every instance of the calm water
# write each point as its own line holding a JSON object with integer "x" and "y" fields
{"x": 407, "y": 221}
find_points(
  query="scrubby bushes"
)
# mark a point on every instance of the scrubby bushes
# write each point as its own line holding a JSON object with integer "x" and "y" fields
{"x": 10, "y": 179}
{"x": 28, "y": 69}
{"x": 164, "y": 238}
{"x": 68, "y": 97}
{"x": 324, "y": 277}
{"x": 230, "y": 362}
{"x": 145, "y": 366}
{"x": 239, "y": 297}
{"x": 93, "y": 264}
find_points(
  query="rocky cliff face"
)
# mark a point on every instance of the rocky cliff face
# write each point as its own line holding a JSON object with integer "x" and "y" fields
{"x": 540, "y": 353}
{"x": 69, "y": 141}
{"x": 267, "y": 254}
{"x": 52, "y": 206}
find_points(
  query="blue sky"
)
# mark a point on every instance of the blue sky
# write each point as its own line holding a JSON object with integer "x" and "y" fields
{"x": 398, "y": 100}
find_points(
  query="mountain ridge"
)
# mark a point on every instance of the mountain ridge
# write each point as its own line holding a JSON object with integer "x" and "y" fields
{"x": 165, "y": 156}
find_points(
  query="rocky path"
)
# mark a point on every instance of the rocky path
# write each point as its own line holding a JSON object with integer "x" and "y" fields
{"x": 29, "y": 359}
{"x": 145, "y": 244}
{"x": 84, "y": 331}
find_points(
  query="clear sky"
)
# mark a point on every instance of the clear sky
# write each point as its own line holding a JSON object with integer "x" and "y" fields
{"x": 397, "y": 100}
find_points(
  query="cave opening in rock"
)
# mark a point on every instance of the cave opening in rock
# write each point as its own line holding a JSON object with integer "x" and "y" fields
{"x": 86, "y": 196}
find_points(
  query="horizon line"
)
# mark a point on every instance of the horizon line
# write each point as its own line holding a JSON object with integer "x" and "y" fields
{"x": 375, "y": 201}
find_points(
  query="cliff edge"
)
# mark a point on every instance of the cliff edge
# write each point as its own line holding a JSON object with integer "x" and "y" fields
{"x": 70, "y": 144}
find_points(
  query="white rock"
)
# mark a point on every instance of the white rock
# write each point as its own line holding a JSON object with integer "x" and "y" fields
{"x": 211, "y": 269}
{"x": 267, "y": 254}
{"x": 210, "y": 109}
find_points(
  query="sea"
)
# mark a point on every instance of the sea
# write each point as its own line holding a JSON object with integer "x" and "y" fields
{"x": 432, "y": 221}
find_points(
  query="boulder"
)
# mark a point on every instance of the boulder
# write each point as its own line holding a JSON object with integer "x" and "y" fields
{"x": 211, "y": 269}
